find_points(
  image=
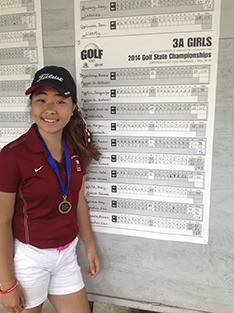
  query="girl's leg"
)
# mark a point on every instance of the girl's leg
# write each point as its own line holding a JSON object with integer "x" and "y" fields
{"x": 76, "y": 302}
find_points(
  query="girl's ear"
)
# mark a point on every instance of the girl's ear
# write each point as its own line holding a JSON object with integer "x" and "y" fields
{"x": 73, "y": 108}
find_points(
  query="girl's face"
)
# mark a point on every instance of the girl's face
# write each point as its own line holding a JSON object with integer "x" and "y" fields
{"x": 50, "y": 110}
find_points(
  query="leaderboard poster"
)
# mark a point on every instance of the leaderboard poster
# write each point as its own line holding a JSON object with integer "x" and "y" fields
{"x": 20, "y": 57}
{"x": 146, "y": 73}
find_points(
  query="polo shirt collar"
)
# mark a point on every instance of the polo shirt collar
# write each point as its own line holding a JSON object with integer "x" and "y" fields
{"x": 33, "y": 141}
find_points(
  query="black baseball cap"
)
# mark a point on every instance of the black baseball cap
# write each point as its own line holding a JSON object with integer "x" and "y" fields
{"x": 56, "y": 77}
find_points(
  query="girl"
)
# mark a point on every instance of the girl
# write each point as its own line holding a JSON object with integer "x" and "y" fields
{"x": 42, "y": 202}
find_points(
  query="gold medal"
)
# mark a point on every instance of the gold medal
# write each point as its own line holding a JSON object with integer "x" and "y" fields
{"x": 65, "y": 206}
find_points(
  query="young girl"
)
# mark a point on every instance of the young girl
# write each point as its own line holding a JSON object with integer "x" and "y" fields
{"x": 42, "y": 203}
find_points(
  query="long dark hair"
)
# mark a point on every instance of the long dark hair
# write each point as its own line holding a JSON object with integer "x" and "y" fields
{"x": 81, "y": 138}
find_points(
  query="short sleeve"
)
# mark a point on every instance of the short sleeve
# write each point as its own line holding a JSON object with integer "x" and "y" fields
{"x": 9, "y": 171}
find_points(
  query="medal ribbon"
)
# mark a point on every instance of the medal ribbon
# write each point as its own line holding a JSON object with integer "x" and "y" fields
{"x": 54, "y": 166}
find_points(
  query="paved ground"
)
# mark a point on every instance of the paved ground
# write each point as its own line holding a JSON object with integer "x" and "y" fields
{"x": 107, "y": 308}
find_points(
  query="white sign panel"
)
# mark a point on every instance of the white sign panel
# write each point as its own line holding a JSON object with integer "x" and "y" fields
{"x": 21, "y": 55}
{"x": 146, "y": 73}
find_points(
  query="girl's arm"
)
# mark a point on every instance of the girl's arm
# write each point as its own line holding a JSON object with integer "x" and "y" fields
{"x": 86, "y": 234}
{"x": 14, "y": 299}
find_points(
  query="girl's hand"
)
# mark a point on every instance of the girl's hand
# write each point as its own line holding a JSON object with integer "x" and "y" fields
{"x": 94, "y": 262}
{"x": 14, "y": 301}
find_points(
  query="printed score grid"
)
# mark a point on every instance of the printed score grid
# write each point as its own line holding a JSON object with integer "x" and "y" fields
{"x": 164, "y": 183}
{"x": 104, "y": 18}
{"x": 149, "y": 110}
{"x": 20, "y": 57}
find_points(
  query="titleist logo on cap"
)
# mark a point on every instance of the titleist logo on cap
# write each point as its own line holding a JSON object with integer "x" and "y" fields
{"x": 49, "y": 76}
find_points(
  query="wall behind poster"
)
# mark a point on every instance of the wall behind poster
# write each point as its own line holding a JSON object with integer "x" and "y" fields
{"x": 160, "y": 275}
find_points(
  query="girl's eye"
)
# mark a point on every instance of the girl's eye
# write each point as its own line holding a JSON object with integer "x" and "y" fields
{"x": 41, "y": 100}
{"x": 61, "y": 102}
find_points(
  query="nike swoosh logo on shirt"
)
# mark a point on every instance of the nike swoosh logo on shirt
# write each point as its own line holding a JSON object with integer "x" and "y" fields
{"x": 38, "y": 169}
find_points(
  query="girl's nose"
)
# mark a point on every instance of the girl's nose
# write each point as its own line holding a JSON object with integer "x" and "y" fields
{"x": 50, "y": 106}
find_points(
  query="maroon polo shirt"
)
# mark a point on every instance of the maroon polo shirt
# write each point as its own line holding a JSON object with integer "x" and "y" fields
{"x": 24, "y": 170}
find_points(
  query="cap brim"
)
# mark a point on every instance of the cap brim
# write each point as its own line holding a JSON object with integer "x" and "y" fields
{"x": 56, "y": 87}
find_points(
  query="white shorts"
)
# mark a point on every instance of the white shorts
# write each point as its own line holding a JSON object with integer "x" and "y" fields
{"x": 43, "y": 272}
